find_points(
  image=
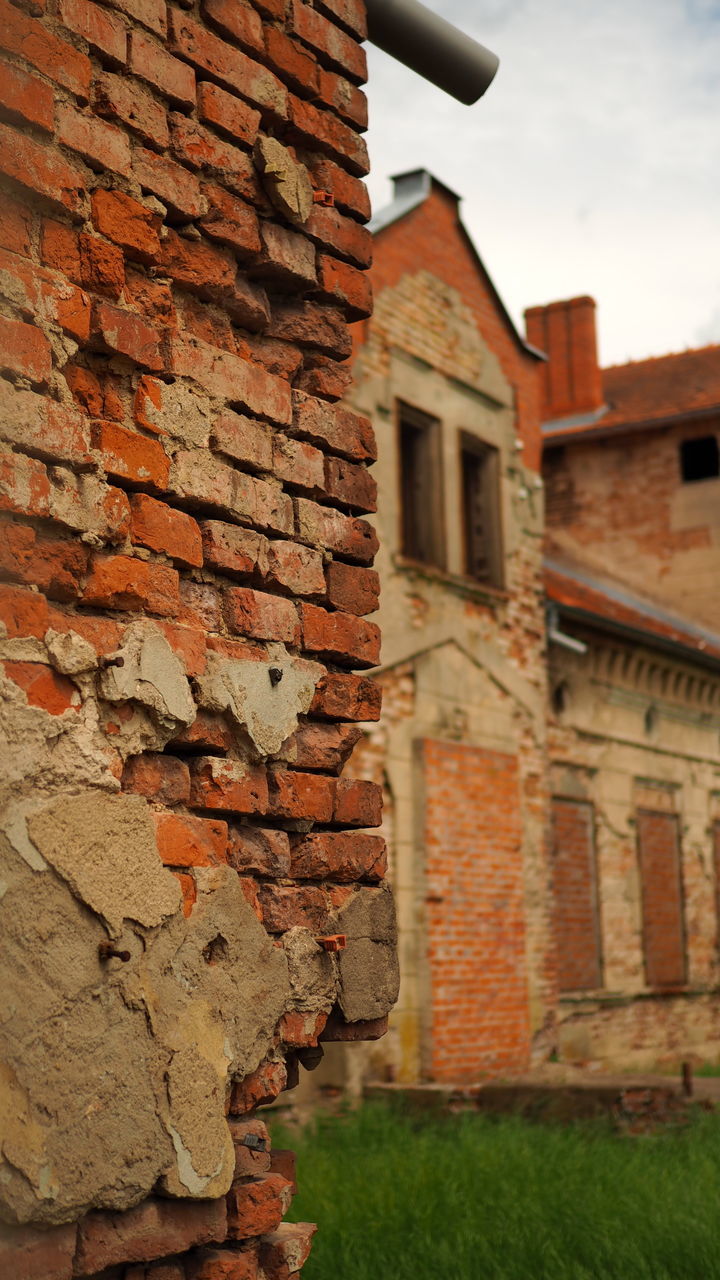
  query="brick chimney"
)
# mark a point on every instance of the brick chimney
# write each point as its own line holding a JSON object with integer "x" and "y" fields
{"x": 572, "y": 381}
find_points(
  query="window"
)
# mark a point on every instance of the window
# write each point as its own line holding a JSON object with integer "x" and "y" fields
{"x": 576, "y": 915}
{"x": 479, "y": 465}
{"x": 422, "y": 536}
{"x": 662, "y": 898}
{"x": 699, "y": 459}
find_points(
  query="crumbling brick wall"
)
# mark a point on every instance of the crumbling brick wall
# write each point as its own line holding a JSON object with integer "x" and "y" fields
{"x": 186, "y": 566}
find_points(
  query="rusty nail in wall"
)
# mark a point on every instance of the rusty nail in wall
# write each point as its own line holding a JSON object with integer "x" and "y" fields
{"x": 276, "y": 675}
{"x": 254, "y": 1142}
{"x": 106, "y": 951}
{"x": 117, "y": 661}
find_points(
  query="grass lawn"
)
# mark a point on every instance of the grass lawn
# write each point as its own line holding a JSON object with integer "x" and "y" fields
{"x": 468, "y": 1198}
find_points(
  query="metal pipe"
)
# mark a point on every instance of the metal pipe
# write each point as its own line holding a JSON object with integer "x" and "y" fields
{"x": 432, "y": 47}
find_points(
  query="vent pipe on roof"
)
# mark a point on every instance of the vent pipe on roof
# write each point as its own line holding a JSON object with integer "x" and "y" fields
{"x": 432, "y": 47}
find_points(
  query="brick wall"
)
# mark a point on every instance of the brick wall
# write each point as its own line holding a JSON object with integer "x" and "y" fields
{"x": 475, "y": 913}
{"x": 619, "y": 506}
{"x": 662, "y": 898}
{"x": 185, "y": 568}
{"x": 577, "y": 934}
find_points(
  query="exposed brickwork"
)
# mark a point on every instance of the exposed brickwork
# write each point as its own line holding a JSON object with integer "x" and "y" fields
{"x": 176, "y": 473}
{"x": 662, "y": 899}
{"x": 577, "y": 934}
{"x": 476, "y": 919}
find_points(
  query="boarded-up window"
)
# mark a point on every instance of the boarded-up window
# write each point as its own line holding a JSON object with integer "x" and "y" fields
{"x": 482, "y": 543}
{"x": 422, "y": 532}
{"x": 577, "y": 925}
{"x": 716, "y": 858}
{"x": 662, "y": 898}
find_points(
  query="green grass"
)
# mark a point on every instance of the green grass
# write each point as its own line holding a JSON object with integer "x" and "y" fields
{"x": 468, "y": 1198}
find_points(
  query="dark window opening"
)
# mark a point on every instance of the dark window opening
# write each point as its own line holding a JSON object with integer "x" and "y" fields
{"x": 479, "y": 465}
{"x": 699, "y": 459}
{"x": 421, "y": 487}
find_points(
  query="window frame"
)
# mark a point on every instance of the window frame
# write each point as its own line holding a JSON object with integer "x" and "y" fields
{"x": 407, "y": 415}
{"x": 489, "y": 457}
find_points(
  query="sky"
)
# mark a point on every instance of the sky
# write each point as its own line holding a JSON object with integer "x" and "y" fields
{"x": 591, "y": 165}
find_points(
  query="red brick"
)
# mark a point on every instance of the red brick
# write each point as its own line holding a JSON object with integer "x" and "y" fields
{"x": 199, "y": 266}
{"x": 228, "y": 114}
{"x": 152, "y": 1229}
{"x": 286, "y": 256}
{"x": 153, "y": 299}
{"x": 223, "y": 1264}
{"x": 244, "y": 440}
{"x": 43, "y": 687}
{"x": 266, "y": 617}
{"x": 41, "y": 294}
{"x": 55, "y": 58}
{"x": 358, "y": 803}
{"x": 190, "y": 842}
{"x": 229, "y": 549}
{"x": 338, "y": 1030}
{"x": 151, "y": 62}
{"x": 232, "y": 222}
{"x": 149, "y": 13}
{"x": 301, "y": 795}
{"x": 104, "y": 32}
{"x": 176, "y": 187}
{"x": 300, "y": 1029}
{"x": 322, "y": 131}
{"x": 662, "y": 902}
{"x": 332, "y": 45}
{"x": 292, "y": 568}
{"x": 159, "y": 527}
{"x": 259, "y": 1088}
{"x": 296, "y": 65}
{"x": 344, "y": 98}
{"x": 228, "y": 785}
{"x": 30, "y": 1254}
{"x": 323, "y": 377}
{"x": 324, "y": 746}
{"x": 298, "y": 464}
{"x": 24, "y": 485}
{"x": 134, "y": 106}
{"x": 126, "y": 455}
{"x": 161, "y": 778}
{"x": 39, "y": 425}
{"x": 15, "y": 226}
{"x": 341, "y": 534}
{"x": 120, "y": 582}
{"x": 286, "y": 1250}
{"x": 188, "y": 643}
{"x": 54, "y": 565}
{"x": 284, "y": 1162}
{"x": 225, "y": 63}
{"x": 576, "y": 923}
{"x": 24, "y": 613}
{"x": 25, "y": 98}
{"x": 87, "y": 505}
{"x": 102, "y": 145}
{"x": 341, "y": 696}
{"x": 352, "y": 588}
{"x": 350, "y": 14}
{"x": 285, "y": 908}
{"x": 87, "y": 259}
{"x": 350, "y": 484}
{"x": 259, "y": 852}
{"x": 24, "y": 351}
{"x": 250, "y": 1161}
{"x": 127, "y": 223}
{"x": 239, "y": 381}
{"x": 127, "y": 334}
{"x": 343, "y": 856}
{"x": 201, "y": 148}
{"x": 343, "y": 236}
{"x": 313, "y": 325}
{"x": 341, "y": 637}
{"x": 346, "y": 285}
{"x": 208, "y": 731}
{"x": 244, "y": 497}
{"x": 255, "y": 1208}
{"x": 350, "y": 193}
{"x": 237, "y": 20}
{"x": 334, "y": 426}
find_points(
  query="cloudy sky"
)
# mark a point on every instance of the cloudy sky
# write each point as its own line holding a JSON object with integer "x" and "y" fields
{"x": 592, "y": 165}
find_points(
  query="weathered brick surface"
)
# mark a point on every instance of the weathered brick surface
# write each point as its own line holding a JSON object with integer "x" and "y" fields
{"x": 175, "y": 464}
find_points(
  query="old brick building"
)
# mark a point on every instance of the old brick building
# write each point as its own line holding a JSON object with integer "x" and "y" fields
{"x": 190, "y": 895}
{"x": 549, "y": 747}
{"x": 632, "y": 489}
